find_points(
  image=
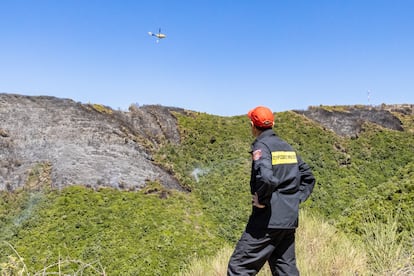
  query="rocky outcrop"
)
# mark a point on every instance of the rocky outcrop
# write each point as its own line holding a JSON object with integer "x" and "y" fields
{"x": 90, "y": 145}
{"x": 348, "y": 120}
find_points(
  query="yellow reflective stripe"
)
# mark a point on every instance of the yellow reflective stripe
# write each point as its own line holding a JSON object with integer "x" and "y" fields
{"x": 284, "y": 157}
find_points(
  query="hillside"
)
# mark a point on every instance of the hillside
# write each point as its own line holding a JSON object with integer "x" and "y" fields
{"x": 93, "y": 145}
{"x": 90, "y": 145}
{"x": 349, "y": 120}
{"x": 181, "y": 186}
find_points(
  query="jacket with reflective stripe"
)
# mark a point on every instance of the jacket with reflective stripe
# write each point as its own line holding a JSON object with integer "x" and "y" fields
{"x": 281, "y": 180}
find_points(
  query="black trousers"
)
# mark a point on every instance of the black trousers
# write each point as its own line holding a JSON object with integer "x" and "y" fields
{"x": 277, "y": 246}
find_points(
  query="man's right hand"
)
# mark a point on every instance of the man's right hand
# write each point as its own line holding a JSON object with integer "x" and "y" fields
{"x": 256, "y": 203}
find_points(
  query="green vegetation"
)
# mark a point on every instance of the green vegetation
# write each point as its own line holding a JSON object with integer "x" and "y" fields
{"x": 364, "y": 184}
{"x": 124, "y": 231}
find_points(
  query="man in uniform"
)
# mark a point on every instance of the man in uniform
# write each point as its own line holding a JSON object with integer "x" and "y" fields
{"x": 279, "y": 182}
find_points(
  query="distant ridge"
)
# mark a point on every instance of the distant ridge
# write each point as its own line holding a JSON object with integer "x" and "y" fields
{"x": 349, "y": 120}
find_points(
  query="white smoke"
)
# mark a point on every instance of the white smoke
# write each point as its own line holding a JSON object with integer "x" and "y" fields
{"x": 198, "y": 172}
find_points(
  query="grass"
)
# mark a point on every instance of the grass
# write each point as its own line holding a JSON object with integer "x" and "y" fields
{"x": 324, "y": 250}
{"x": 385, "y": 246}
{"x": 321, "y": 250}
{"x": 15, "y": 265}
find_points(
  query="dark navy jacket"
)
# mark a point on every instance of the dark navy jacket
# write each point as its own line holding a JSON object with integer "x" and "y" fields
{"x": 281, "y": 180}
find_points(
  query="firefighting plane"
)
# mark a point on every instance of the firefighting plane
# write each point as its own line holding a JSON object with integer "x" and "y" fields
{"x": 159, "y": 35}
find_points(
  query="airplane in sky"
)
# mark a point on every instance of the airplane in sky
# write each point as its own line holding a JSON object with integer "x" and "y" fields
{"x": 158, "y": 35}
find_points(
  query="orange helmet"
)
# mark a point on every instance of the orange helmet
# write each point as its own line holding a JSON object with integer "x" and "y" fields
{"x": 261, "y": 117}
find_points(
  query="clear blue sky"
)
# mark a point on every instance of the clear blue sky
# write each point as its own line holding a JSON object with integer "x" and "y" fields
{"x": 221, "y": 57}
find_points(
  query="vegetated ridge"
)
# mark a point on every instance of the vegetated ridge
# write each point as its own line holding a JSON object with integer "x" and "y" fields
{"x": 94, "y": 145}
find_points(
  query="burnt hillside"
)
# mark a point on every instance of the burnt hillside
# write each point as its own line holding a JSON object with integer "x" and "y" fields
{"x": 349, "y": 120}
{"x": 82, "y": 144}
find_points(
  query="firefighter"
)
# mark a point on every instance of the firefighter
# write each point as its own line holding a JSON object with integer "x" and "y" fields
{"x": 280, "y": 180}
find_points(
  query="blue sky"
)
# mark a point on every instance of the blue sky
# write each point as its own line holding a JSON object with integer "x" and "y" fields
{"x": 221, "y": 57}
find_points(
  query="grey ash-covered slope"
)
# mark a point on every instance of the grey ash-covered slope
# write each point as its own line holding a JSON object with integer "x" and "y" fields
{"x": 349, "y": 120}
{"x": 83, "y": 144}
